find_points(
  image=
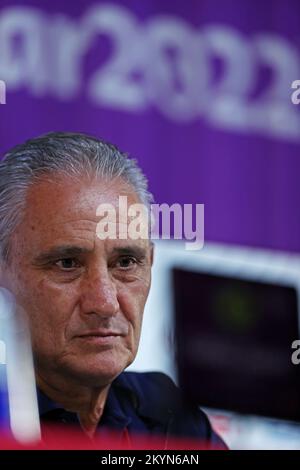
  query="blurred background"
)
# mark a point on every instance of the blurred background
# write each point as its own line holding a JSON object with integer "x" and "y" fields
{"x": 200, "y": 93}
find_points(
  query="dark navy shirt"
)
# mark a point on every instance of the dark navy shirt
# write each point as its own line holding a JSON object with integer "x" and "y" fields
{"x": 142, "y": 404}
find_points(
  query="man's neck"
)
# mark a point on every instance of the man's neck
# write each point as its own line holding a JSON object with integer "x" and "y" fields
{"x": 87, "y": 402}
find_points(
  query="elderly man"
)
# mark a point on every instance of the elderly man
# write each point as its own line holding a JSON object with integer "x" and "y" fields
{"x": 85, "y": 294}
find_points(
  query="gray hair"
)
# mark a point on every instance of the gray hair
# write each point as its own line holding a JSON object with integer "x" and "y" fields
{"x": 69, "y": 154}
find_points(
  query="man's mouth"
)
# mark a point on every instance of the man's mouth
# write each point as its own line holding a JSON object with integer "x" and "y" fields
{"x": 101, "y": 336}
{"x": 101, "y": 333}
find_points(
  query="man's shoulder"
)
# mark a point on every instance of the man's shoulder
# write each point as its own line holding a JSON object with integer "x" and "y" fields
{"x": 150, "y": 385}
{"x": 158, "y": 398}
{"x": 154, "y": 394}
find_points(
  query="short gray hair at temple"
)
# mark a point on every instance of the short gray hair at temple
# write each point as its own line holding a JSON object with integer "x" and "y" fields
{"x": 59, "y": 153}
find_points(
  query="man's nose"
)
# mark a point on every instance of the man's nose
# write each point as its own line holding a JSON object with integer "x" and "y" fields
{"x": 99, "y": 295}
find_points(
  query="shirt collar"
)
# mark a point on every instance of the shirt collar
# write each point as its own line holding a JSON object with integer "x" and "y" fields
{"x": 114, "y": 413}
{"x": 121, "y": 401}
{"x": 45, "y": 403}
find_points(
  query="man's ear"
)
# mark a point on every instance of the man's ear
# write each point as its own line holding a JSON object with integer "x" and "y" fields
{"x": 151, "y": 252}
{"x": 3, "y": 275}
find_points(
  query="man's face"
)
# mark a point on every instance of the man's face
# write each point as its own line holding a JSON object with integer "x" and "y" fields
{"x": 84, "y": 296}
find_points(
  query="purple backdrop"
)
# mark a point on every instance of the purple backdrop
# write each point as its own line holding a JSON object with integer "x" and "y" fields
{"x": 199, "y": 91}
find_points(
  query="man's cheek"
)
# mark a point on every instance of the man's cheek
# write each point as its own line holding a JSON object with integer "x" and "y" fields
{"x": 47, "y": 334}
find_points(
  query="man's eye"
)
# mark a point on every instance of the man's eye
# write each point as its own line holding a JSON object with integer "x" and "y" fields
{"x": 66, "y": 263}
{"x": 126, "y": 262}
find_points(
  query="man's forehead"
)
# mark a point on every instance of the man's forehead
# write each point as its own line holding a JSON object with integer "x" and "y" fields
{"x": 65, "y": 196}
{"x": 66, "y": 203}
{"x": 64, "y": 212}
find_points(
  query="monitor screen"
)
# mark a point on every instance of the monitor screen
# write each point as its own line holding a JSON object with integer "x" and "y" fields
{"x": 234, "y": 344}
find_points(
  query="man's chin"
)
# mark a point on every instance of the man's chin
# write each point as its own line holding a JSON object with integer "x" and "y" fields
{"x": 91, "y": 374}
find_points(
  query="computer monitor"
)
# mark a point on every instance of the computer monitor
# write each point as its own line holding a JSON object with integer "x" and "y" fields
{"x": 234, "y": 344}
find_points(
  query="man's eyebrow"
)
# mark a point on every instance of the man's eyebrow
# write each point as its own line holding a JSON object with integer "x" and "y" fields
{"x": 59, "y": 252}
